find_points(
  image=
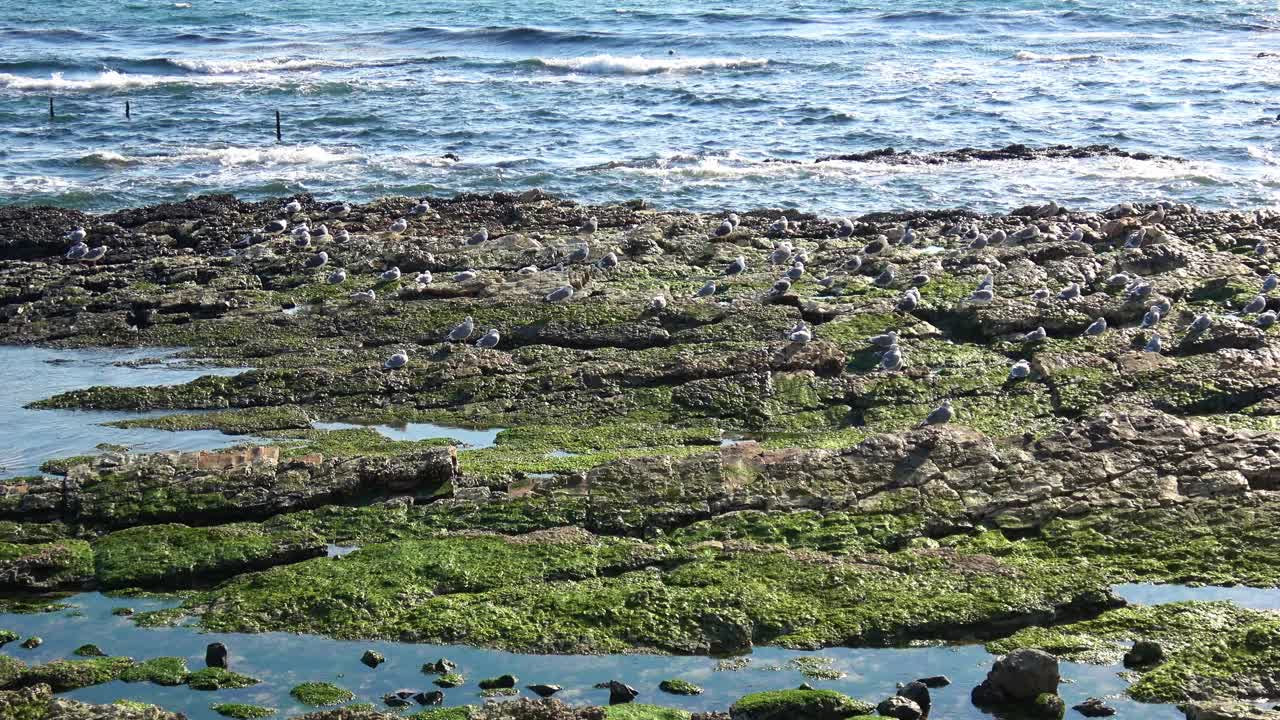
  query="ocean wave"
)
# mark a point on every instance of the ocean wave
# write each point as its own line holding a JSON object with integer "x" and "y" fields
{"x": 511, "y": 35}
{"x": 619, "y": 65}
{"x": 107, "y": 158}
{"x": 1029, "y": 56}
{"x": 222, "y": 67}
{"x": 106, "y": 80}
{"x": 227, "y": 156}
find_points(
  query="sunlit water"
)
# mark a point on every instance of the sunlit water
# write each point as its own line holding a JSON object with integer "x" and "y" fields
{"x": 679, "y": 103}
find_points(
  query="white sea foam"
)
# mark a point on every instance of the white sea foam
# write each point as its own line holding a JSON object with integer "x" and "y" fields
{"x": 1029, "y": 56}
{"x": 106, "y": 80}
{"x": 621, "y": 65}
{"x": 220, "y": 67}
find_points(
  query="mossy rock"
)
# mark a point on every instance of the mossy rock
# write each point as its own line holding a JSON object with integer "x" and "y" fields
{"x": 449, "y": 680}
{"x": 499, "y": 692}
{"x": 161, "y": 671}
{"x": 89, "y": 650}
{"x": 30, "y": 703}
{"x": 679, "y": 687}
{"x": 8, "y": 636}
{"x": 1048, "y": 706}
{"x": 499, "y": 682}
{"x": 636, "y": 711}
{"x": 10, "y": 670}
{"x": 64, "y": 675}
{"x": 792, "y": 704}
{"x": 320, "y": 694}
{"x": 240, "y": 711}
{"x": 219, "y": 679}
{"x": 453, "y": 713}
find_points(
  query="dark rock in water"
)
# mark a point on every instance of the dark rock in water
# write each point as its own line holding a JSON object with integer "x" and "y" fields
{"x": 935, "y": 681}
{"x": 497, "y": 683}
{"x": 918, "y": 693}
{"x": 544, "y": 690}
{"x": 679, "y": 687}
{"x": 32, "y": 643}
{"x": 1144, "y": 653}
{"x": 442, "y": 666}
{"x": 432, "y": 697}
{"x": 619, "y": 693}
{"x": 899, "y": 707}
{"x": 89, "y": 650}
{"x": 1018, "y": 678}
{"x": 890, "y": 156}
{"x": 394, "y": 700}
{"x": 372, "y": 658}
{"x": 1048, "y": 706}
{"x": 1093, "y": 707}
{"x": 215, "y": 655}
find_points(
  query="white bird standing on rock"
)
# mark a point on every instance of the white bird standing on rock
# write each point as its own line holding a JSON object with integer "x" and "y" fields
{"x": 95, "y": 254}
{"x": 609, "y": 261}
{"x": 725, "y": 228}
{"x": 707, "y": 290}
{"x": 1020, "y": 370}
{"x": 737, "y": 267}
{"x": 1152, "y": 318}
{"x": 1270, "y": 282}
{"x": 658, "y": 303}
{"x": 399, "y": 226}
{"x": 560, "y": 294}
{"x": 779, "y": 226}
{"x": 982, "y": 295}
{"x": 77, "y": 251}
{"x": 909, "y": 301}
{"x": 422, "y": 208}
{"x": 390, "y": 275}
{"x": 884, "y": 279}
{"x": 479, "y": 236}
{"x": 397, "y": 361}
{"x": 527, "y": 271}
{"x": 1200, "y": 324}
{"x": 940, "y": 416}
{"x": 489, "y": 340}
{"x": 1041, "y": 294}
{"x": 337, "y": 277}
{"x": 293, "y": 208}
{"x": 424, "y": 278}
{"x": 781, "y": 287}
{"x": 888, "y": 339}
{"x": 1070, "y": 292}
{"x": 316, "y": 261}
{"x": 464, "y": 276}
{"x": 1256, "y": 305}
{"x": 800, "y": 333}
{"x": 366, "y": 296}
{"x": 1035, "y": 335}
{"x": 892, "y": 359}
{"x": 589, "y": 226}
{"x": 1266, "y": 319}
{"x": 77, "y": 235}
{"x": 1097, "y": 327}
{"x": 462, "y": 330}
{"x": 275, "y": 227}
{"x": 1154, "y": 345}
{"x": 780, "y": 253}
{"x": 339, "y": 210}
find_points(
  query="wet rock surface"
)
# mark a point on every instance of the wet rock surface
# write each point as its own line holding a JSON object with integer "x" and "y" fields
{"x": 740, "y": 468}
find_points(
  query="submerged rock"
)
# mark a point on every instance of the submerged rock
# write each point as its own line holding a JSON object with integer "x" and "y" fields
{"x": 544, "y": 690}
{"x": 372, "y": 658}
{"x": 1094, "y": 707}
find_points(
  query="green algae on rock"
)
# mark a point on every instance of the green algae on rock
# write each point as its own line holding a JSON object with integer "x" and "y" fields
{"x": 787, "y": 704}
{"x": 240, "y": 711}
{"x": 320, "y": 694}
{"x": 679, "y": 687}
{"x": 215, "y": 678}
{"x": 64, "y": 675}
{"x": 161, "y": 671}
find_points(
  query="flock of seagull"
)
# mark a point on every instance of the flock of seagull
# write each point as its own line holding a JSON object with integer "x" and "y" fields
{"x": 783, "y": 254}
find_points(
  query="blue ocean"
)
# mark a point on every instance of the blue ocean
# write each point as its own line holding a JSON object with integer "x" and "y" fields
{"x": 686, "y": 105}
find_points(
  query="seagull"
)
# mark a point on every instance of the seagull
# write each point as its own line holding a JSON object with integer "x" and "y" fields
{"x": 909, "y": 300}
{"x": 399, "y": 226}
{"x": 734, "y": 220}
{"x": 1152, "y": 318}
{"x": 561, "y": 293}
{"x": 1256, "y": 305}
{"x": 725, "y": 227}
{"x": 316, "y": 261}
{"x": 1135, "y": 238}
{"x": 853, "y": 264}
{"x": 422, "y": 208}
{"x": 342, "y": 235}
{"x": 527, "y": 271}
{"x": 884, "y": 279}
{"x": 827, "y": 281}
{"x": 1153, "y": 345}
{"x": 390, "y": 275}
{"x": 424, "y": 278}
{"x": 1140, "y": 290}
{"x": 844, "y": 227}
{"x": 337, "y": 277}
{"x": 1260, "y": 249}
{"x": 340, "y": 210}
{"x": 873, "y": 248}
{"x": 464, "y": 276}
{"x": 920, "y": 280}
{"x": 978, "y": 243}
{"x": 800, "y": 333}
{"x": 608, "y": 262}
{"x": 1019, "y": 370}
{"x": 983, "y": 295}
{"x": 77, "y": 251}
{"x": 275, "y": 227}
{"x": 323, "y": 231}
{"x": 462, "y": 330}
{"x": 779, "y": 226}
{"x": 997, "y": 237}
{"x": 580, "y": 254}
{"x": 1266, "y": 319}
{"x": 1118, "y": 279}
{"x": 302, "y": 239}
{"x": 95, "y": 254}
{"x": 1028, "y": 233}
{"x": 397, "y": 361}
{"x": 1200, "y": 324}
{"x": 589, "y": 226}
{"x": 892, "y": 359}
{"x": 1035, "y": 335}
{"x": 780, "y": 253}
{"x": 367, "y": 296}
{"x": 707, "y": 290}
{"x": 1270, "y": 283}
{"x": 1097, "y": 327}
{"x": 1070, "y": 292}
{"x": 988, "y": 282}
{"x": 77, "y": 235}
{"x": 293, "y": 208}
{"x": 1077, "y": 235}
{"x": 942, "y": 414}
{"x": 737, "y": 267}
{"x": 1165, "y": 306}
{"x": 796, "y": 271}
{"x": 489, "y": 340}
{"x": 658, "y": 303}
{"x": 781, "y": 287}
{"x": 478, "y": 236}
{"x": 885, "y": 340}
{"x": 1041, "y": 294}
{"x": 908, "y": 235}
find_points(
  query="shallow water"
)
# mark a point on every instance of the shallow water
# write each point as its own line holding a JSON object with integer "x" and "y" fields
{"x": 1148, "y": 594}
{"x": 33, "y": 436}
{"x": 282, "y": 660}
{"x": 472, "y": 437}
{"x": 679, "y": 103}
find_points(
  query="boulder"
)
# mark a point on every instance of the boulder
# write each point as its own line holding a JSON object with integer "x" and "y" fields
{"x": 1093, "y": 707}
{"x": 935, "y": 681}
{"x": 1144, "y": 653}
{"x": 795, "y": 704}
{"x": 1228, "y": 710}
{"x": 439, "y": 667}
{"x": 900, "y": 708}
{"x": 544, "y": 690}
{"x": 431, "y": 697}
{"x": 1018, "y": 679}
{"x": 215, "y": 655}
{"x": 918, "y": 693}
{"x": 372, "y": 658}
{"x": 499, "y": 683}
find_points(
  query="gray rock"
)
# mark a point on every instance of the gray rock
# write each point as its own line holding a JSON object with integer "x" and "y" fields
{"x": 900, "y": 708}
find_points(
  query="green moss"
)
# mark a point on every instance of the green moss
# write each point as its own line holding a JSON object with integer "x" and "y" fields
{"x": 10, "y": 670}
{"x": 63, "y": 675}
{"x": 319, "y": 694}
{"x": 136, "y": 706}
{"x": 453, "y": 713}
{"x": 161, "y": 671}
{"x": 53, "y": 565}
{"x": 247, "y": 421}
{"x": 499, "y": 692}
{"x": 168, "y": 617}
{"x": 679, "y": 687}
{"x": 450, "y": 680}
{"x": 241, "y": 711}
{"x": 8, "y": 636}
{"x": 213, "y": 678}
{"x": 24, "y": 704}
{"x": 501, "y": 681}
{"x": 89, "y": 651}
{"x": 785, "y": 704}
{"x": 637, "y": 711}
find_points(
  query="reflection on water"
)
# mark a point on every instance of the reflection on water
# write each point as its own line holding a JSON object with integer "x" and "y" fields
{"x": 473, "y": 438}
{"x": 34, "y": 436}
{"x": 282, "y": 660}
{"x": 1148, "y": 594}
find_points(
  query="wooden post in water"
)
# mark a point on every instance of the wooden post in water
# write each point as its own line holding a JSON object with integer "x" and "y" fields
{"x": 127, "y": 114}
{"x": 50, "y": 107}
{"x": 277, "y": 126}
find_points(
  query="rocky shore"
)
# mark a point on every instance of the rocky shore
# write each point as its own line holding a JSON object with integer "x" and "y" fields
{"x": 695, "y": 457}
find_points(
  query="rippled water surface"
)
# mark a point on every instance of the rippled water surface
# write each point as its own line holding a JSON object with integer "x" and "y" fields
{"x": 679, "y": 103}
